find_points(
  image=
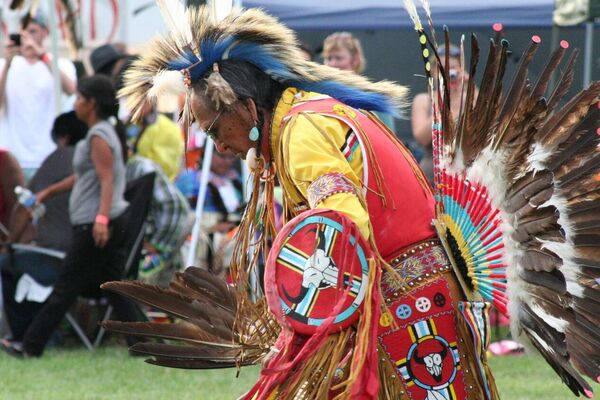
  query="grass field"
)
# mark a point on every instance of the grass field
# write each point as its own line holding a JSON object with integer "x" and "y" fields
{"x": 109, "y": 373}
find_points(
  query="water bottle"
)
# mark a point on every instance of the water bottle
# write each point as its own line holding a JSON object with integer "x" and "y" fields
{"x": 27, "y": 199}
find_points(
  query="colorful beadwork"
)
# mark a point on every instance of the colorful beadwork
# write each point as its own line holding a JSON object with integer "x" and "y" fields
{"x": 327, "y": 185}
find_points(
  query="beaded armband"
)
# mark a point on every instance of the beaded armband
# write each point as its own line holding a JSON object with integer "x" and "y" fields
{"x": 327, "y": 185}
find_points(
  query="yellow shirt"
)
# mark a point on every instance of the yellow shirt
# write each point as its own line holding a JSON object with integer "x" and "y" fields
{"x": 162, "y": 142}
{"x": 310, "y": 147}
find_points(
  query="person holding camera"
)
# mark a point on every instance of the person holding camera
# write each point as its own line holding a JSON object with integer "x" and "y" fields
{"x": 27, "y": 103}
{"x": 421, "y": 108}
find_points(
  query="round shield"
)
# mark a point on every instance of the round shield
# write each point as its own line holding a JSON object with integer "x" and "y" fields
{"x": 317, "y": 272}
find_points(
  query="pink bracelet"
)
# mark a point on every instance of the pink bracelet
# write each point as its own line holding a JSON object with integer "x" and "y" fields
{"x": 45, "y": 58}
{"x": 101, "y": 219}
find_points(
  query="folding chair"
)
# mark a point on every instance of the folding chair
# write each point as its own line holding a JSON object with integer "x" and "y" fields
{"x": 139, "y": 195}
{"x": 28, "y": 273}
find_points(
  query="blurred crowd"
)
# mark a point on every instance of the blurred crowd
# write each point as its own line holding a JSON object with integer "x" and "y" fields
{"x": 67, "y": 182}
{"x": 67, "y": 187}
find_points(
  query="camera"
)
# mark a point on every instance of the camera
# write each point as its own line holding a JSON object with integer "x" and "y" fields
{"x": 453, "y": 75}
{"x": 15, "y": 38}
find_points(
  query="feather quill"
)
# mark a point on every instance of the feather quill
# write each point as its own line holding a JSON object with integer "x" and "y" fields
{"x": 565, "y": 81}
{"x": 174, "y": 14}
{"x": 472, "y": 142}
{"x": 544, "y": 78}
{"x": 514, "y": 97}
{"x": 180, "y": 331}
{"x": 180, "y": 306}
{"x": 541, "y": 169}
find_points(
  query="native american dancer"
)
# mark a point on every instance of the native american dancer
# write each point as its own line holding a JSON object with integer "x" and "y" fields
{"x": 359, "y": 298}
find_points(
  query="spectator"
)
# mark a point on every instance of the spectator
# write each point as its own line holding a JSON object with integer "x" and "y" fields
{"x": 112, "y": 61}
{"x": 421, "y": 117}
{"x": 343, "y": 51}
{"x": 159, "y": 139}
{"x": 27, "y": 95}
{"x": 223, "y": 202}
{"x": 105, "y": 59}
{"x": 11, "y": 176}
{"x": 98, "y": 214}
{"x": 170, "y": 220}
{"x": 224, "y": 183}
{"x": 52, "y": 231}
{"x": 225, "y": 191}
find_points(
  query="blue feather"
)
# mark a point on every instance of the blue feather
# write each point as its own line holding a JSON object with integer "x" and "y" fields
{"x": 262, "y": 57}
{"x": 351, "y": 96}
{"x": 210, "y": 52}
{"x": 184, "y": 61}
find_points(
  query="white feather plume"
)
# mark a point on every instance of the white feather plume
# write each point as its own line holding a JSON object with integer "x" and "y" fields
{"x": 175, "y": 16}
{"x": 538, "y": 156}
{"x": 427, "y": 8}
{"x": 411, "y": 9}
{"x": 166, "y": 82}
{"x": 220, "y": 9}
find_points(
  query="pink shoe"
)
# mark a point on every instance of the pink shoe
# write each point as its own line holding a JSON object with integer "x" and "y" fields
{"x": 505, "y": 348}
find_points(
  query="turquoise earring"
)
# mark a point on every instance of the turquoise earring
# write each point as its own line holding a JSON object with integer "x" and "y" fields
{"x": 253, "y": 135}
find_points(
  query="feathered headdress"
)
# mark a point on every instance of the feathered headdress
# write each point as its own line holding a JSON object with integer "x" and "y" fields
{"x": 190, "y": 51}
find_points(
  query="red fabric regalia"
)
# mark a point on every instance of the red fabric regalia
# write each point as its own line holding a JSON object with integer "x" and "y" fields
{"x": 426, "y": 342}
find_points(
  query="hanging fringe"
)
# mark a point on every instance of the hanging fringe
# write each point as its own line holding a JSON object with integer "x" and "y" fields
{"x": 477, "y": 348}
{"x": 325, "y": 364}
{"x": 252, "y": 240}
{"x": 389, "y": 381}
{"x": 363, "y": 377}
{"x": 414, "y": 166}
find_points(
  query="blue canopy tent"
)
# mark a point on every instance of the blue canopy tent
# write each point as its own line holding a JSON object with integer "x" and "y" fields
{"x": 309, "y": 15}
{"x": 384, "y": 28}
{"x": 390, "y": 14}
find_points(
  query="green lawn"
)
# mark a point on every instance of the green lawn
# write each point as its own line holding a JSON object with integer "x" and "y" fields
{"x": 109, "y": 373}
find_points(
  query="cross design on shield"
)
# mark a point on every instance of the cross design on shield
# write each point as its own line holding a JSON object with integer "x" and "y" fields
{"x": 309, "y": 293}
{"x": 318, "y": 270}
